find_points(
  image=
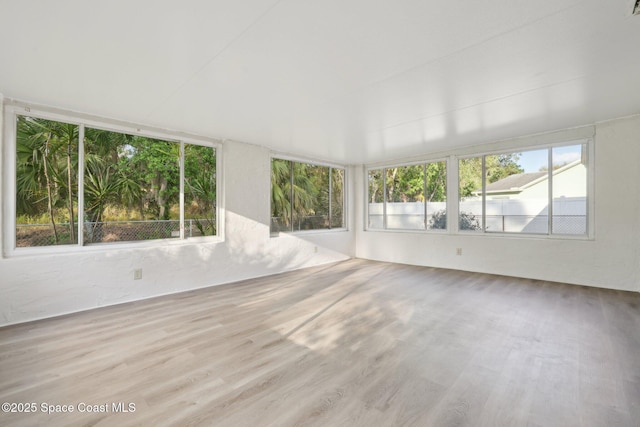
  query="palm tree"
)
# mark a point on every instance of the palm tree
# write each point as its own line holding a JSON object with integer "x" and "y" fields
{"x": 281, "y": 191}
{"x": 100, "y": 189}
{"x": 109, "y": 153}
{"x": 46, "y": 161}
{"x": 68, "y": 135}
{"x": 337, "y": 197}
{"x": 200, "y": 187}
{"x": 291, "y": 199}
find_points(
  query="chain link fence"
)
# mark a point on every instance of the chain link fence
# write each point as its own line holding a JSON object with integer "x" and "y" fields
{"x": 569, "y": 224}
{"x": 29, "y": 235}
{"x": 536, "y": 224}
{"x": 121, "y": 231}
{"x": 311, "y": 222}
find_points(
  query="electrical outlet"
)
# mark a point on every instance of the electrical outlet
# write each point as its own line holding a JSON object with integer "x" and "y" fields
{"x": 458, "y": 251}
{"x": 137, "y": 274}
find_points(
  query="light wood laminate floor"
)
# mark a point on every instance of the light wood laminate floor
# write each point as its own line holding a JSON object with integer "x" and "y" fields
{"x": 357, "y": 343}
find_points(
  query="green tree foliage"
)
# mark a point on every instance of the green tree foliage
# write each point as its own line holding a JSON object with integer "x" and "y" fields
{"x": 469, "y": 176}
{"x": 281, "y": 192}
{"x": 306, "y": 190}
{"x": 376, "y": 186}
{"x": 407, "y": 183}
{"x": 301, "y": 195}
{"x": 501, "y": 166}
{"x": 200, "y": 187}
{"x": 46, "y": 166}
{"x": 337, "y": 198}
{"x": 106, "y": 177}
{"x": 122, "y": 174}
{"x": 156, "y": 164}
{"x": 436, "y": 182}
{"x": 497, "y": 167}
{"x": 293, "y": 199}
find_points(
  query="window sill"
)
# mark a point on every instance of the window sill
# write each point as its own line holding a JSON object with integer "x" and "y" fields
{"x": 500, "y": 235}
{"x": 407, "y": 230}
{"x": 108, "y": 247}
{"x": 307, "y": 232}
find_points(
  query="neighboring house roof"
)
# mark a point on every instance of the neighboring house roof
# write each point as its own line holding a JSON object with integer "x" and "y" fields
{"x": 515, "y": 182}
{"x": 520, "y": 181}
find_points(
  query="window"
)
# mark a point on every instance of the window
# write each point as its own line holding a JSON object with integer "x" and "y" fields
{"x": 46, "y": 182}
{"x": 470, "y": 214}
{"x": 541, "y": 191}
{"x": 79, "y": 185}
{"x": 376, "y": 199}
{"x": 411, "y": 197}
{"x": 306, "y": 196}
{"x": 569, "y": 189}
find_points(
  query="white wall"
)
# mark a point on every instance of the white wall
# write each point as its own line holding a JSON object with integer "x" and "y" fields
{"x": 33, "y": 287}
{"x": 611, "y": 260}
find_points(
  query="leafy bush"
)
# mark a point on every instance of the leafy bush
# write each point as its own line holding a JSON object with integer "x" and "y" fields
{"x": 467, "y": 221}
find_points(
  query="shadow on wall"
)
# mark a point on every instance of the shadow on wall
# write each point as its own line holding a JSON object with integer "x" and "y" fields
{"x": 104, "y": 275}
{"x": 250, "y": 251}
{"x": 250, "y": 243}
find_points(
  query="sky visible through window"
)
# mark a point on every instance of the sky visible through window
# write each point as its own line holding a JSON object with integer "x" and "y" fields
{"x": 533, "y": 161}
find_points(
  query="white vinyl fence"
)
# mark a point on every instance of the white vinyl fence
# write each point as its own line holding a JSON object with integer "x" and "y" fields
{"x": 502, "y": 215}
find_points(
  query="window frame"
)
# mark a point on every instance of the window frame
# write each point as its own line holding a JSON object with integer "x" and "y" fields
{"x": 384, "y": 167}
{"x": 345, "y": 198}
{"x": 578, "y": 136}
{"x": 13, "y": 109}
{"x": 590, "y": 203}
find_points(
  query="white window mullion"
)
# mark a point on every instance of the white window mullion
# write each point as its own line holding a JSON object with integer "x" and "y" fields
{"x": 8, "y": 125}
{"x": 384, "y": 198}
{"x": 550, "y": 190}
{"x": 181, "y": 163}
{"x": 589, "y": 152}
{"x": 452, "y": 166}
{"x": 81, "y": 185}
{"x": 424, "y": 195}
{"x": 484, "y": 194}
{"x": 330, "y": 194}
{"x": 292, "y": 179}
{"x": 367, "y": 204}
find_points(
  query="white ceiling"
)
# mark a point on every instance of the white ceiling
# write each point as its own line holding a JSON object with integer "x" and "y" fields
{"x": 351, "y": 81}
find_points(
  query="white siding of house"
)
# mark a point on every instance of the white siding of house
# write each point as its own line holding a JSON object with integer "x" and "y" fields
{"x": 571, "y": 182}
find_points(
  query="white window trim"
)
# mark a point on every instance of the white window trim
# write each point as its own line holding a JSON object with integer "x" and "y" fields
{"x": 13, "y": 108}
{"x": 345, "y": 195}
